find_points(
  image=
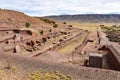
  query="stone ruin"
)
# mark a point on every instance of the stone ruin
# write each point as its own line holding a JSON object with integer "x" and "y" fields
{"x": 95, "y": 60}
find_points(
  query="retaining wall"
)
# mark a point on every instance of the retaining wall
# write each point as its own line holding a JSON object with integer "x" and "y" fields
{"x": 114, "y": 57}
{"x": 113, "y": 51}
{"x": 59, "y": 44}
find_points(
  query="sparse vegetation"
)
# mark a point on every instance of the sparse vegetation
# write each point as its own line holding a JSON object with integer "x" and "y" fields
{"x": 47, "y": 20}
{"x": 29, "y": 32}
{"x": 44, "y": 40}
{"x": 27, "y": 24}
{"x": 48, "y": 76}
{"x": 50, "y": 30}
{"x": 6, "y": 42}
{"x": 64, "y": 23}
{"x": 41, "y": 32}
{"x": 9, "y": 19}
{"x": 70, "y": 47}
{"x": 31, "y": 43}
{"x": 65, "y": 33}
{"x": 60, "y": 40}
{"x": 113, "y": 33}
{"x": 70, "y": 26}
{"x": 102, "y": 25}
{"x": 55, "y": 25}
{"x": 114, "y": 26}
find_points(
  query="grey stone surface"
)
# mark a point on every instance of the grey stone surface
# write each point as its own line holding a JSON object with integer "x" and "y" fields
{"x": 95, "y": 60}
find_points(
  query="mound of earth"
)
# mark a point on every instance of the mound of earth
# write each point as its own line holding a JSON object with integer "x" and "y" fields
{"x": 25, "y": 34}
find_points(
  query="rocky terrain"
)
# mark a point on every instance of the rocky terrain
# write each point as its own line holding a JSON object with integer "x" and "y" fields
{"x": 30, "y": 34}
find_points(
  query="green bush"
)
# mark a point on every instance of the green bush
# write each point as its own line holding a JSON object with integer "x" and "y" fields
{"x": 29, "y": 32}
{"x": 114, "y": 26}
{"x": 27, "y": 24}
{"x": 41, "y": 32}
{"x": 44, "y": 40}
{"x": 9, "y": 19}
{"x": 113, "y": 35}
{"x": 70, "y": 26}
{"x": 50, "y": 30}
{"x": 55, "y": 25}
{"x": 64, "y": 23}
{"x": 102, "y": 25}
{"x": 47, "y": 20}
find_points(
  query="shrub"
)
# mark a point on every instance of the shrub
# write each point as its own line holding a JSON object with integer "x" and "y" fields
{"x": 102, "y": 25}
{"x": 48, "y": 37}
{"x": 70, "y": 26}
{"x": 50, "y": 30}
{"x": 38, "y": 43}
{"x": 41, "y": 32}
{"x": 64, "y": 23}
{"x": 9, "y": 19}
{"x": 31, "y": 43}
{"x": 114, "y": 26}
{"x": 47, "y": 20}
{"x": 64, "y": 33}
{"x": 44, "y": 40}
{"x": 27, "y": 24}
{"x": 60, "y": 40}
{"x": 29, "y": 32}
{"x": 48, "y": 76}
{"x": 6, "y": 42}
{"x": 55, "y": 25}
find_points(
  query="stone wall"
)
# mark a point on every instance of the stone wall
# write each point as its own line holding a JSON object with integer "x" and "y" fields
{"x": 59, "y": 44}
{"x": 79, "y": 48}
{"x": 113, "y": 49}
{"x": 114, "y": 57}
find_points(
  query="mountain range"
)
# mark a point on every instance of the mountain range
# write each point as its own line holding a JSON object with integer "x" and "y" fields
{"x": 94, "y": 18}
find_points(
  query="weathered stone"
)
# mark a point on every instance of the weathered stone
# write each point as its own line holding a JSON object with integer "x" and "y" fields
{"x": 17, "y": 39}
{"x": 17, "y": 49}
{"x": 95, "y": 60}
{"x": 86, "y": 61}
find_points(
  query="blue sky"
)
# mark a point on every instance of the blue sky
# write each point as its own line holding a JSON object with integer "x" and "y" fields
{"x": 60, "y": 7}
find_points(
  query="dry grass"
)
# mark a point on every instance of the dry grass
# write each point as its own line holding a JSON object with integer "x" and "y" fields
{"x": 16, "y": 73}
{"x": 48, "y": 76}
{"x": 71, "y": 47}
{"x": 90, "y": 26}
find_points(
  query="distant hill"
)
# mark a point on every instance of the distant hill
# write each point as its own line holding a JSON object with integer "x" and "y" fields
{"x": 89, "y": 18}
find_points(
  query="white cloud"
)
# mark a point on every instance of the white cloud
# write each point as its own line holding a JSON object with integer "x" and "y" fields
{"x": 58, "y": 7}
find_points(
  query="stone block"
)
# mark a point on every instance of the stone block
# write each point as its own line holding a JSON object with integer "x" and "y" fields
{"x": 17, "y": 49}
{"x": 95, "y": 60}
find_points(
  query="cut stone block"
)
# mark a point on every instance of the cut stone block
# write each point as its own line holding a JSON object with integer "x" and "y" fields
{"x": 17, "y": 39}
{"x": 17, "y": 49}
{"x": 95, "y": 60}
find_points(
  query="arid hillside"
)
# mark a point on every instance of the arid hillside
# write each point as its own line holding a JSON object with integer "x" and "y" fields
{"x": 14, "y": 16}
{"x": 29, "y": 31}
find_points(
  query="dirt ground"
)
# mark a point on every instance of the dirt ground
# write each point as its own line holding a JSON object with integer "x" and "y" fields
{"x": 28, "y": 65}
